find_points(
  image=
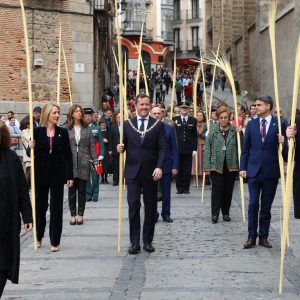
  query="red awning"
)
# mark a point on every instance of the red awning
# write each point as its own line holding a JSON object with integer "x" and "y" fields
{"x": 185, "y": 61}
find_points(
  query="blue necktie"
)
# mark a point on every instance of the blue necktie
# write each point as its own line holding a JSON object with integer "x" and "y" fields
{"x": 142, "y": 128}
{"x": 263, "y": 130}
{"x": 184, "y": 121}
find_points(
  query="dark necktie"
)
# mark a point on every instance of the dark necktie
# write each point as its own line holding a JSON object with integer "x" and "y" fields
{"x": 142, "y": 128}
{"x": 184, "y": 121}
{"x": 263, "y": 130}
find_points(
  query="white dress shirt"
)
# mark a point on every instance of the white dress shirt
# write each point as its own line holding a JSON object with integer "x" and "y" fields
{"x": 139, "y": 122}
{"x": 184, "y": 117}
{"x": 268, "y": 123}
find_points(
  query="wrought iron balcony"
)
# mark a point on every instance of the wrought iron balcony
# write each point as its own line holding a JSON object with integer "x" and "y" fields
{"x": 193, "y": 14}
{"x": 168, "y": 37}
{"x": 133, "y": 28}
{"x": 193, "y": 45}
{"x": 178, "y": 45}
{"x": 178, "y": 15}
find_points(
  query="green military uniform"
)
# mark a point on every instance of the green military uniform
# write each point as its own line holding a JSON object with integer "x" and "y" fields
{"x": 92, "y": 186}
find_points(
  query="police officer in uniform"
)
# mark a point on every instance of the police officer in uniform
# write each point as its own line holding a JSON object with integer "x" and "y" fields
{"x": 186, "y": 132}
{"x": 92, "y": 185}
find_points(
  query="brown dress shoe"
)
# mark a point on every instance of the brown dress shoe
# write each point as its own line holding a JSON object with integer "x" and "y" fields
{"x": 265, "y": 243}
{"x": 250, "y": 243}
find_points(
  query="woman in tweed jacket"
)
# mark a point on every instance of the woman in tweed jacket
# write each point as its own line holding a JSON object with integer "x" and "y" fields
{"x": 221, "y": 162}
{"x": 83, "y": 151}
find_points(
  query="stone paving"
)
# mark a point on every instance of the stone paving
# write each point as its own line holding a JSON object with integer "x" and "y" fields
{"x": 194, "y": 259}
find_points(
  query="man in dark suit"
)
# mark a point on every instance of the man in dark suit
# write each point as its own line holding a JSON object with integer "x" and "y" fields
{"x": 145, "y": 146}
{"x": 170, "y": 166}
{"x": 186, "y": 132}
{"x": 114, "y": 140}
{"x": 260, "y": 164}
{"x": 293, "y": 132}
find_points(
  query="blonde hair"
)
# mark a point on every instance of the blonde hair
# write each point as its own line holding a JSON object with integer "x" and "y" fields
{"x": 46, "y": 112}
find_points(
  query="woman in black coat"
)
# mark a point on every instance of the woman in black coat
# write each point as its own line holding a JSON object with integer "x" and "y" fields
{"x": 14, "y": 201}
{"x": 53, "y": 168}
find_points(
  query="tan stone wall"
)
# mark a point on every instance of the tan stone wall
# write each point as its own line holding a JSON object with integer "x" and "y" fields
{"x": 286, "y": 49}
{"x": 252, "y": 61}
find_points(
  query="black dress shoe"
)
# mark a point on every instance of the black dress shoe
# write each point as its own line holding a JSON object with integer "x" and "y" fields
{"x": 179, "y": 192}
{"x": 168, "y": 219}
{"x": 251, "y": 242}
{"x": 214, "y": 219}
{"x": 265, "y": 243}
{"x": 226, "y": 218}
{"x": 88, "y": 200}
{"x": 115, "y": 183}
{"x": 134, "y": 249}
{"x": 106, "y": 181}
{"x": 149, "y": 248}
{"x": 186, "y": 192}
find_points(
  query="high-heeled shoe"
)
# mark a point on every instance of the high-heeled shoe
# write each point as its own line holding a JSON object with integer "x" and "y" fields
{"x": 55, "y": 248}
{"x": 80, "y": 221}
{"x": 73, "y": 221}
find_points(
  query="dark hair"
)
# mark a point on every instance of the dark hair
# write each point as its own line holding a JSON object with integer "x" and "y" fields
{"x": 4, "y": 136}
{"x": 11, "y": 112}
{"x": 266, "y": 99}
{"x": 70, "y": 120}
{"x": 24, "y": 124}
{"x": 203, "y": 114}
{"x": 117, "y": 112}
{"x": 37, "y": 109}
{"x": 252, "y": 105}
{"x": 141, "y": 96}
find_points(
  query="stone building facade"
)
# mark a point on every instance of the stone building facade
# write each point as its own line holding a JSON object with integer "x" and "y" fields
{"x": 157, "y": 32}
{"x": 43, "y": 20}
{"x": 188, "y": 28}
{"x": 241, "y": 27}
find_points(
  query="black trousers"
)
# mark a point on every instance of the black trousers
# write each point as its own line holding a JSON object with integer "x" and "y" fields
{"x": 134, "y": 189}
{"x": 56, "y": 212}
{"x": 79, "y": 187}
{"x": 3, "y": 280}
{"x": 183, "y": 178}
{"x": 116, "y": 169}
{"x": 178, "y": 96}
{"x": 296, "y": 193}
{"x": 222, "y": 188}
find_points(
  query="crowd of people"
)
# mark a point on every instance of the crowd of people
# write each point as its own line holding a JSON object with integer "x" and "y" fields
{"x": 160, "y": 146}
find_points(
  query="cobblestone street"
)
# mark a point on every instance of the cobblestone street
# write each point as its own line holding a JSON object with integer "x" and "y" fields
{"x": 194, "y": 259}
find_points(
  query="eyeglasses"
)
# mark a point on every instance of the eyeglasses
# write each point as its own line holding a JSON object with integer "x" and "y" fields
{"x": 223, "y": 118}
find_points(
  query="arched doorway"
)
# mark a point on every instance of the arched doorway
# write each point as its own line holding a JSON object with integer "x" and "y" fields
{"x": 147, "y": 61}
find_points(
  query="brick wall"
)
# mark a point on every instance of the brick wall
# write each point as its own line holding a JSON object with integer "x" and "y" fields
{"x": 43, "y": 19}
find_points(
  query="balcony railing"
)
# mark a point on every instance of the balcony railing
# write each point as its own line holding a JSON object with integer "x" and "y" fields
{"x": 178, "y": 45}
{"x": 193, "y": 45}
{"x": 133, "y": 28}
{"x": 168, "y": 36}
{"x": 178, "y": 15}
{"x": 193, "y": 14}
